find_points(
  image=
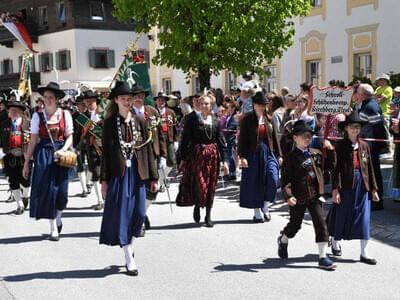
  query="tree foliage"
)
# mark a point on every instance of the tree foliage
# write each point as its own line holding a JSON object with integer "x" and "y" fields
{"x": 207, "y": 36}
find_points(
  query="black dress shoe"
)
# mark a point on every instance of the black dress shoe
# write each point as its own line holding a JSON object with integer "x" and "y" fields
{"x": 54, "y": 238}
{"x": 208, "y": 222}
{"x": 256, "y": 220}
{"x": 369, "y": 261}
{"x": 143, "y": 231}
{"x": 131, "y": 272}
{"x": 19, "y": 211}
{"x": 89, "y": 188}
{"x": 25, "y": 200}
{"x": 84, "y": 195}
{"x": 267, "y": 217}
{"x": 337, "y": 252}
{"x": 146, "y": 222}
{"x": 98, "y": 206}
{"x": 196, "y": 214}
{"x": 59, "y": 228}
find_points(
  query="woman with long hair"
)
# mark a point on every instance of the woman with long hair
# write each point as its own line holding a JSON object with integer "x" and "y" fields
{"x": 202, "y": 149}
{"x": 127, "y": 163}
{"x": 51, "y": 137}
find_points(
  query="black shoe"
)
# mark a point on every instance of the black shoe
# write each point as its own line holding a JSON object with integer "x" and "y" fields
{"x": 161, "y": 189}
{"x": 146, "y": 222}
{"x": 256, "y": 220}
{"x": 84, "y": 195}
{"x": 25, "y": 200}
{"x": 208, "y": 222}
{"x": 131, "y": 272}
{"x": 369, "y": 261}
{"x": 19, "y": 211}
{"x": 226, "y": 177}
{"x": 282, "y": 249}
{"x": 54, "y": 238}
{"x": 10, "y": 199}
{"x": 196, "y": 214}
{"x": 89, "y": 188}
{"x": 267, "y": 217}
{"x": 98, "y": 206}
{"x": 232, "y": 177}
{"x": 337, "y": 252}
{"x": 59, "y": 228}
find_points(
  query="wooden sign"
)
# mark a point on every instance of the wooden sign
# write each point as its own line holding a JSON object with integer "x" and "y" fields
{"x": 330, "y": 101}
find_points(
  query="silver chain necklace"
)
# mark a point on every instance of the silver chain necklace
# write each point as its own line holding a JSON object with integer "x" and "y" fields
{"x": 127, "y": 148}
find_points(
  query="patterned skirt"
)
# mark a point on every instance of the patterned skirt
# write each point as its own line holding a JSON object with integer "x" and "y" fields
{"x": 200, "y": 177}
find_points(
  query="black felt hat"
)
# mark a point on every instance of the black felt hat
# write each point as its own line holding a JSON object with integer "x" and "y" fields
{"x": 162, "y": 95}
{"x": 54, "y": 87}
{"x": 354, "y": 117}
{"x": 259, "y": 98}
{"x": 120, "y": 88}
{"x": 300, "y": 127}
{"x": 138, "y": 89}
{"x": 17, "y": 104}
{"x": 89, "y": 94}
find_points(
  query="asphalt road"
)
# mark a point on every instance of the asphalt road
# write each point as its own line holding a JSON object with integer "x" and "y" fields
{"x": 178, "y": 259}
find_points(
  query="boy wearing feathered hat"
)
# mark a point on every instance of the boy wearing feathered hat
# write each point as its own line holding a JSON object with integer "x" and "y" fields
{"x": 302, "y": 186}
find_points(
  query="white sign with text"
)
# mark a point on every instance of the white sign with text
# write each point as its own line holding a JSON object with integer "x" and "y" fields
{"x": 330, "y": 101}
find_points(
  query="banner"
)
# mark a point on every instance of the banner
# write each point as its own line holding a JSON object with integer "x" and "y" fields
{"x": 330, "y": 101}
{"x": 25, "y": 77}
{"x": 18, "y": 30}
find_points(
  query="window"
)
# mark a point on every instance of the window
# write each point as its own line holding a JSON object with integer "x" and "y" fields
{"x": 6, "y": 67}
{"x": 46, "y": 62}
{"x": 43, "y": 19}
{"x": 196, "y": 84}
{"x": 314, "y": 72}
{"x": 23, "y": 15}
{"x": 32, "y": 63}
{"x": 167, "y": 86}
{"x": 97, "y": 11}
{"x": 101, "y": 58}
{"x": 270, "y": 78}
{"x": 63, "y": 60}
{"x": 230, "y": 81}
{"x": 60, "y": 10}
{"x": 363, "y": 65}
{"x": 316, "y": 3}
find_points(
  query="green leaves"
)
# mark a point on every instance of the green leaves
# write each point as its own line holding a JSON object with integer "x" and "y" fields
{"x": 216, "y": 35}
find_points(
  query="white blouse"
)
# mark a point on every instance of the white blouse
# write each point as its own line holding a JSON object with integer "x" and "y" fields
{"x": 69, "y": 126}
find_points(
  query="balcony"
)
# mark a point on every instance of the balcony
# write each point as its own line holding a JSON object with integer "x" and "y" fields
{"x": 12, "y": 80}
{"x": 7, "y": 39}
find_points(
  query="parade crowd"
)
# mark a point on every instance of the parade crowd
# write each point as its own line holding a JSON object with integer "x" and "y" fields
{"x": 261, "y": 141}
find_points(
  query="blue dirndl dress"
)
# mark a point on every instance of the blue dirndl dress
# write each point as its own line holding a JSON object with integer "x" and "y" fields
{"x": 350, "y": 219}
{"x": 49, "y": 191}
{"x": 260, "y": 180}
{"x": 125, "y": 208}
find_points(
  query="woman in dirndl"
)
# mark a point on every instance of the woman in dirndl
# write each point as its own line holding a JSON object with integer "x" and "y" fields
{"x": 260, "y": 154}
{"x": 202, "y": 149}
{"x": 352, "y": 180}
{"x": 51, "y": 137}
{"x": 127, "y": 162}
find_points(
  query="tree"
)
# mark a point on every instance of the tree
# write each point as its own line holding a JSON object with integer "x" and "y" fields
{"x": 207, "y": 36}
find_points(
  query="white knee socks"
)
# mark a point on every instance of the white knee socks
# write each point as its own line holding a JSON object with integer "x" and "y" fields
{"x": 265, "y": 208}
{"x": 148, "y": 203}
{"x": 96, "y": 187}
{"x": 364, "y": 244}
{"x": 257, "y": 213}
{"x": 130, "y": 262}
{"x": 89, "y": 177}
{"x": 58, "y": 217}
{"x": 322, "y": 247}
{"x": 25, "y": 192}
{"x": 53, "y": 227}
{"x": 335, "y": 244}
{"x": 17, "y": 196}
{"x": 284, "y": 239}
{"x": 82, "y": 179}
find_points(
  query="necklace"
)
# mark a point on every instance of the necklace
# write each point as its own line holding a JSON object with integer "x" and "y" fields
{"x": 127, "y": 148}
{"x": 209, "y": 136}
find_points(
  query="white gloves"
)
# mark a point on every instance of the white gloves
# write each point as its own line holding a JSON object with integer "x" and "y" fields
{"x": 162, "y": 163}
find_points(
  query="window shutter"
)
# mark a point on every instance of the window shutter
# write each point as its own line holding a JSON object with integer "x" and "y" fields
{"x": 58, "y": 60}
{"x": 19, "y": 62}
{"x": 147, "y": 58}
{"x": 33, "y": 67}
{"x": 92, "y": 58}
{"x": 2, "y": 67}
{"x": 111, "y": 58}
{"x": 11, "y": 67}
{"x": 41, "y": 63}
{"x": 68, "y": 59}
{"x": 51, "y": 61}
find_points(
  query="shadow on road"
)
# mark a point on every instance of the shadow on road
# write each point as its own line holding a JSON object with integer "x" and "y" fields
{"x": 96, "y": 273}
{"x": 197, "y": 225}
{"x": 276, "y": 263}
{"x": 39, "y": 238}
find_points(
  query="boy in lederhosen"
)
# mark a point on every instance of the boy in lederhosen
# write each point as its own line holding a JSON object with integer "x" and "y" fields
{"x": 15, "y": 138}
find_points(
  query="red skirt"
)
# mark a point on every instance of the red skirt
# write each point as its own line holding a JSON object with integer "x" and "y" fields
{"x": 200, "y": 177}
